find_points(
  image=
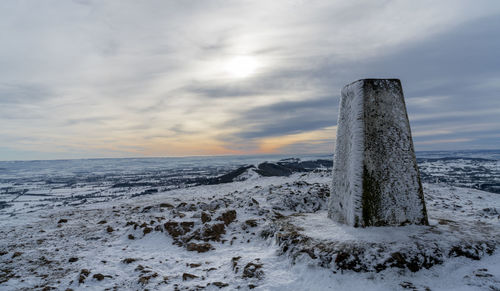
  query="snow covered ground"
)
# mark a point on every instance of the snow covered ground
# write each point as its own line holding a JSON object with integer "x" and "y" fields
{"x": 224, "y": 236}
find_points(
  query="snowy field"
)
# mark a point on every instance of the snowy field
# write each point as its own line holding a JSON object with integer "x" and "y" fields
{"x": 162, "y": 224}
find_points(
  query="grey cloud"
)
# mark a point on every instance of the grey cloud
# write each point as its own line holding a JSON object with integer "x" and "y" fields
{"x": 451, "y": 64}
{"x": 93, "y": 120}
{"x": 223, "y": 90}
{"x": 287, "y": 118}
{"x": 23, "y": 93}
{"x": 323, "y": 146}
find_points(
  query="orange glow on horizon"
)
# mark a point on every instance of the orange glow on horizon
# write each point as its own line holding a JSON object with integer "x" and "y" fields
{"x": 272, "y": 145}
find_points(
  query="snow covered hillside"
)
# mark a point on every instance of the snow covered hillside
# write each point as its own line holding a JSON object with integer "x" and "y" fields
{"x": 249, "y": 234}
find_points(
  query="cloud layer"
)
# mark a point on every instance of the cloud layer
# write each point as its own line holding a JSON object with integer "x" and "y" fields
{"x": 133, "y": 78}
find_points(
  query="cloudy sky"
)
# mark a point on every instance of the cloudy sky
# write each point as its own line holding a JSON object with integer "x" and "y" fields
{"x": 88, "y": 79}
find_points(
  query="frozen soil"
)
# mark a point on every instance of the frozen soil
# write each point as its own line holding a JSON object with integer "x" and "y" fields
{"x": 230, "y": 236}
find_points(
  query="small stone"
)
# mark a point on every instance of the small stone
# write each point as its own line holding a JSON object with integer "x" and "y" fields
{"x": 62, "y": 220}
{"x": 72, "y": 259}
{"x": 251, "y": 222}
{"x": 253, "y": 270}
{"x": 129, "y": 260}
{"x": 407, "y": 285}
{"x": 147, "y": 230}
{"x": 131, "y": 223}
{"x": 234, "y": 261}
{"x": 220, "y": 284}
{"x": 102, "y": 222}
{"x": 84, "y": 273}
{"x": 144, "y": 280}
{"x": 187, "y": 276}
{"x": 98, "y": 277}
{"x": 205, "y": 217}
{"x": 109, "y": 229}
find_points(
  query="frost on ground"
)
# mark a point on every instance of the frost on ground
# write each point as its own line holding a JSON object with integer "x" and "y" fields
{"x": 231, "y": 235}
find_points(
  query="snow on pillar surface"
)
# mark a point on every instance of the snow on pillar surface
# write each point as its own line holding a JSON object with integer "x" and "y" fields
{"x": 375, "y": 176}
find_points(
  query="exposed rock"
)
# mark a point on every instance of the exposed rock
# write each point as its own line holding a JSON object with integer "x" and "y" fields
{"x": 62, "y": 220}
{"x": 109, "y": 229}
{"x": 147, "y": 230}
{"x": 166, "y": 205}
{"x": 472, "y": 251}
{"x": 72, "y": 259}
{"x": 131, "y": 223}
{"x": 219, "y": 284}
{"x": 187, "y": 225}
{"x": 213, "y": 232}
{"x": 205, "y": 217}
{"x": 200, "y": 248}
{"x": 144, "y": 280}
{"x": 408, "y": 285}
{"x": 419, "y": 251}
{"x": 84, "y": 273}
{"x": 228, "y": 217}
{"x": 172, "y": 227}
{"x": 128, "y": 260}
{"x": 187, "y": 276}
{"x": 183, "y": 206}
{"x": 234, "y": 262}
{"x": 253, "y": 270}
{"x": 98, "y": 277}
{"x": 251, "y": 222}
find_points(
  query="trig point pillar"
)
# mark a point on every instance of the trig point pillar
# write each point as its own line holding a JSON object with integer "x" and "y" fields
{"x": 375, "y": 176}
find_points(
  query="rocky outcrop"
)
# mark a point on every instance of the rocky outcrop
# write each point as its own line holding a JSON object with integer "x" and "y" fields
{"x": 407, "y": 251}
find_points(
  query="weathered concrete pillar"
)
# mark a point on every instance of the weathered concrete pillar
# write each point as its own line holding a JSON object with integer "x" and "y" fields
{"x": 375, "y": 176}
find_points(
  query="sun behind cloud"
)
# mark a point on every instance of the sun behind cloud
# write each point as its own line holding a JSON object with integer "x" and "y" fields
{"x": 241, "y": 66}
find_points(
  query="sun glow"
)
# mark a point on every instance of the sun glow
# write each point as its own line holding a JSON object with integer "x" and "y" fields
{"x": 241, "y": 66}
